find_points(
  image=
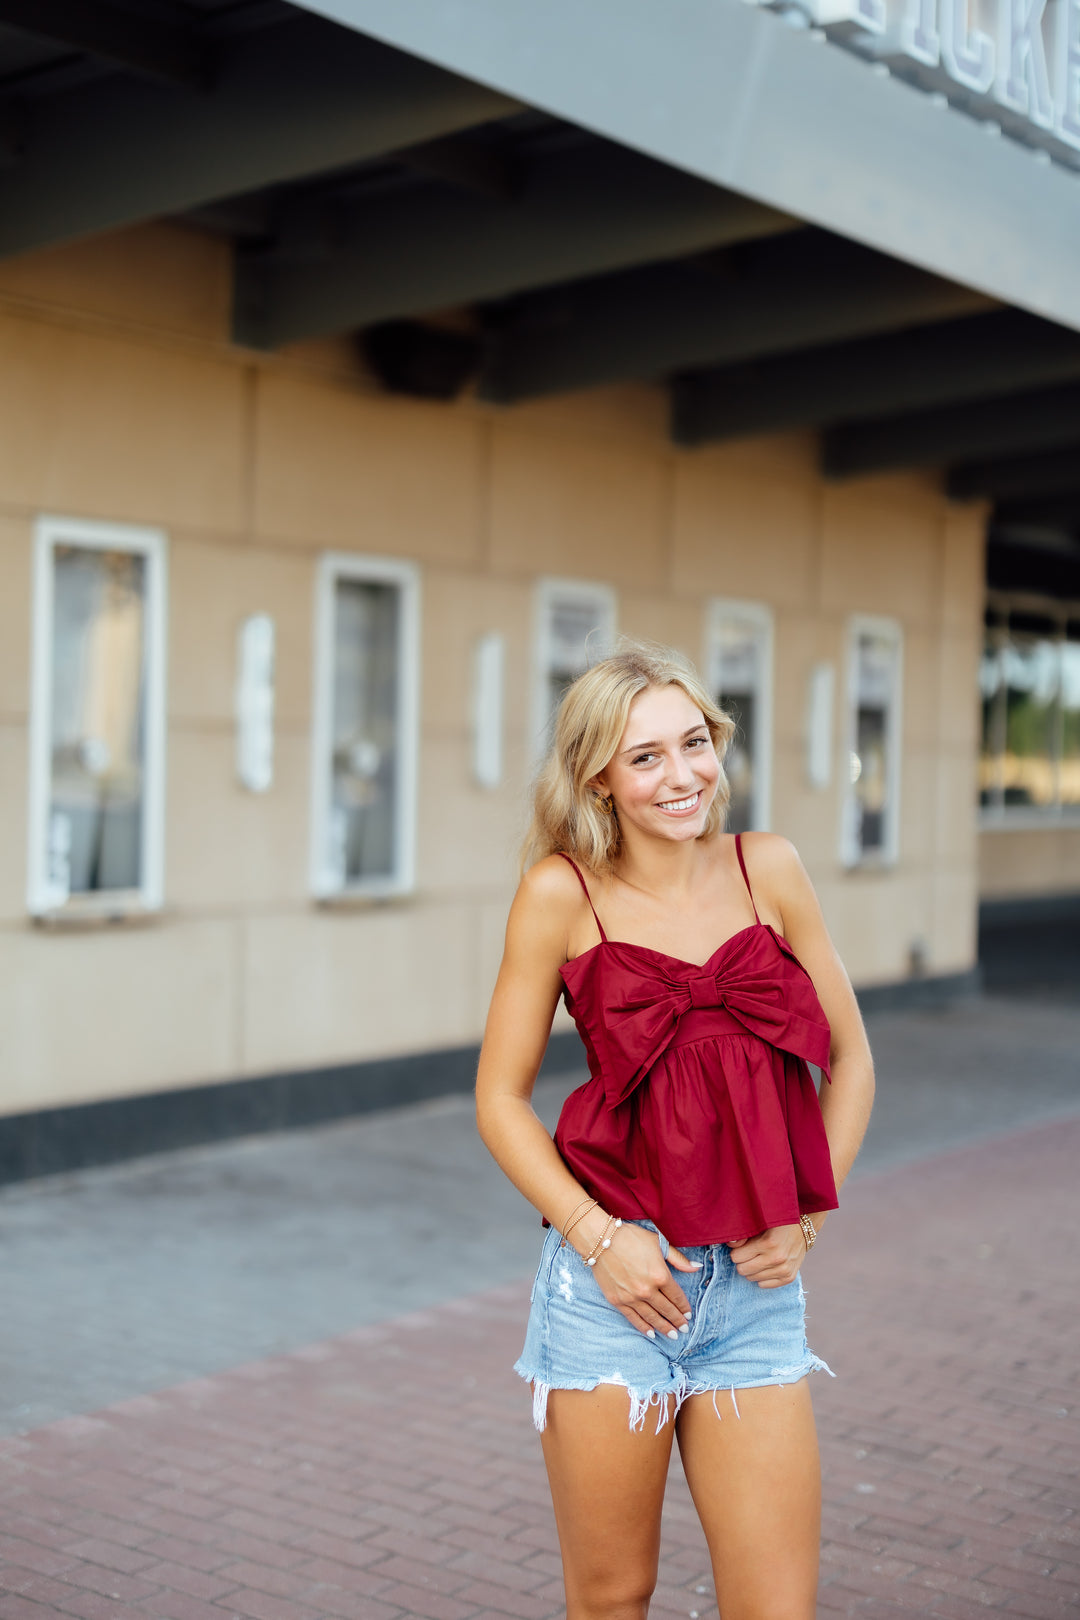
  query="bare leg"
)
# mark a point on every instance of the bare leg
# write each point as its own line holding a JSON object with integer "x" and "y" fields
{"x": 607, "y": 1485}
{"x": 756, "y": 1484}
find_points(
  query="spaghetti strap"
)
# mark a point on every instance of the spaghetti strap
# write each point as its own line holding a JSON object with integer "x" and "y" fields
{"x": 588, "y": 896}
{"x": 746, "y": 880}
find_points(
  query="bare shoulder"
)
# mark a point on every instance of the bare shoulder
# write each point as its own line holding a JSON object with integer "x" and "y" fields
{"x": 776, "y": 871}
{"x": 772, "y": 856}
{"x": 549, "y": 896}
{"x": 551, "y": 882}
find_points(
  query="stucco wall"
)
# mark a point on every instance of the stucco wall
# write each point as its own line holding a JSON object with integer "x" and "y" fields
{"x": 121, "y": 398}
{"x": 1020, "y": 863}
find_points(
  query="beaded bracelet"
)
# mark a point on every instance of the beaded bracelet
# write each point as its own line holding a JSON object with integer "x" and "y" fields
{"x": 585, "y": 1206}
{"x": 809, "y": 1231}
{"x": 603, "y": 1242}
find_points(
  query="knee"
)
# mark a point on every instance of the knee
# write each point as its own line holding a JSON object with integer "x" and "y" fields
{"x": 614, "y": 1594}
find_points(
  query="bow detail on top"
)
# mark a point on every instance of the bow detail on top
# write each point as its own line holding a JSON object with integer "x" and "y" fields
{"x": 645, "y": 995}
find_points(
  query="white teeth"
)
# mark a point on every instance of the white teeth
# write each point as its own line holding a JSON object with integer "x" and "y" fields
{"x": 680, "y": 804}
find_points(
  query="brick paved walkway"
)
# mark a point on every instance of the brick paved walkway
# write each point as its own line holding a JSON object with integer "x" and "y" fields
{"x": 392, "y": 1472}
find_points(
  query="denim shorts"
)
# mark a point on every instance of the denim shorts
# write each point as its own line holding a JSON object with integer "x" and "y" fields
{"x": 741, "y": 1335}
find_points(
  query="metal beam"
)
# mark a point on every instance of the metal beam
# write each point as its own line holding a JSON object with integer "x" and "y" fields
{"x": 788, "y": 293}
{"x": 1009, "y": 426}
{"x": 931, "y": 365}
{"x": 1041, "y": 511}
{"x": 1000, "y": 478}
{"x": 288, "y": 102}
{"x": 576, "y": 213}
{"x": 728, "y": 91}
{"x": 129, "y": 40}
{"x": 1038, "y": 563}
{"x": 484, "y": 167}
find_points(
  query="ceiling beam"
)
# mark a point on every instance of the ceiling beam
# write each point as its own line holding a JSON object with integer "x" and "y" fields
{"x": 1007, "y": 426}
{"x": 575, "y": 213}
{"x": 952, "y": 361}
{"x": 486, "y": 167}
{"x": 1060, "y": 511}
{"x": 731, "y": 93}
{"x": 1048, "y": 565}
{"x": 288, "y": 103}
{"x": 127, "y": 39}
{"x": 1000, "y": 477}
{"x": 788, "y": 293}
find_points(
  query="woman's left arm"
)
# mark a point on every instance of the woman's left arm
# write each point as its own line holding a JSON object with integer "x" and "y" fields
{"x": 783, "y": 889}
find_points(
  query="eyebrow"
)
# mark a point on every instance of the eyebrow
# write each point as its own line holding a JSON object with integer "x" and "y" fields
{"x": 689, "y": 732}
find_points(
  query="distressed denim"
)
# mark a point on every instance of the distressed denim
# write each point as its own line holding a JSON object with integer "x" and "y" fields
{"x": 740, "y": 1336}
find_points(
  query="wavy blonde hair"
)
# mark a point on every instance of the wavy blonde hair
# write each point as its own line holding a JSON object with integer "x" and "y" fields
{"x": 589, "y": 726}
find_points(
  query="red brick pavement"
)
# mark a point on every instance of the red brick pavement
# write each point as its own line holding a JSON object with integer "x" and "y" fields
{"x": 393, "y": 1472}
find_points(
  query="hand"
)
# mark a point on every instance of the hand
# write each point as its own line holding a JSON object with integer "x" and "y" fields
{"x": 772, "y": 1259}
{"x": 634, "y": 1277}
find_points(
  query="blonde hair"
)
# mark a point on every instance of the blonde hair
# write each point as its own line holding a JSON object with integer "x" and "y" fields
{"x": 589, "y": 726}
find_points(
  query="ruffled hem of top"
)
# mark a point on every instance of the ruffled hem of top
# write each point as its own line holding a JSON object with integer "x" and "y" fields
{"x": 708, "y": 1151}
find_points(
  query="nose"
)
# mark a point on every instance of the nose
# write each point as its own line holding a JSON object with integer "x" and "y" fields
{"x": 679, "y": 776}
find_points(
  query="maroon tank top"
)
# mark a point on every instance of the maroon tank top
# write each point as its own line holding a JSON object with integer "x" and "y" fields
{"x": 700, "y": 1113}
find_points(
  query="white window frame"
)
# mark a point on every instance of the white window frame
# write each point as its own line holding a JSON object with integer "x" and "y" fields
{"x": 42, "y": 899}
{"x": 601, "y": 598}
{"x": 759, "y": 617}
{"x": 851, "y": 855}
{"x": 332, "y": 566}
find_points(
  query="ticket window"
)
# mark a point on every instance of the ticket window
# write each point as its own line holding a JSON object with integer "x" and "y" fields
{"x": 871, "y": 813}
{"x": 739, "y": 659}
{"x": 366, "y": 727}
{"x": 575, "y": 627}
{"x": 97, "y": 722}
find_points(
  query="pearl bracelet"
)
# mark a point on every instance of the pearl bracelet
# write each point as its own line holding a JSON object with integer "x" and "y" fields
{"x": 604, "y": 1242}
{"x": 809, "y": 1231}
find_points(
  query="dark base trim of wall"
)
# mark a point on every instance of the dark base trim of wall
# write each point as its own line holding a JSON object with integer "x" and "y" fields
{"x": 52, "y": 1140}
{"x": 1036, "y": 908}
{"x": 932, "y": 991}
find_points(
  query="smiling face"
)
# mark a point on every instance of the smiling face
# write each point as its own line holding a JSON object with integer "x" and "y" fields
{"x": 665, "y": 772}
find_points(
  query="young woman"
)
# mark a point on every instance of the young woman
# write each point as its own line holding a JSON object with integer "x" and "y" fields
{"x": 691, "y": 1173}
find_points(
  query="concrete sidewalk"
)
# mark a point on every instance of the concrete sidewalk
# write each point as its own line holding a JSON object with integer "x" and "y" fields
{"x": 128, "y": 1279}
{"x": 392, "y": 1472}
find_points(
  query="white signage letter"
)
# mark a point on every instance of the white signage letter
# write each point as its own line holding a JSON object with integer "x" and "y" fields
{"x": 866, "y": 14}
{"x": 1023, "y": 82}
{"x": 1067, "y": 76}
{"x": 968, "y": 53}
{"x": 919, "y": 32}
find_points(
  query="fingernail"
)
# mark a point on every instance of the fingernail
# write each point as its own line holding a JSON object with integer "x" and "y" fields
{"x": 673, "y": 1333}
{"x": 697, "y": 1265}
{"x": 687, "y": 1314}
{"x": 650, "y": 1333}
{"x": 684, "y": 1328}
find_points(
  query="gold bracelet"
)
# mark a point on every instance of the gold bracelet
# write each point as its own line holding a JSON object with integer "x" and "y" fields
{"x": 604, "y": 1241}
{"x": 585, "y": 1206}
{"x": 809, "y": 1231}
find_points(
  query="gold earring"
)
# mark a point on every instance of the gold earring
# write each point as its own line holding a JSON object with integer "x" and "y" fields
{"x": 605, "y": 803}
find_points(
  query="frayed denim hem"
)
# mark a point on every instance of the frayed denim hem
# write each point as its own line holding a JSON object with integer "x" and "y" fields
{"x": 678, "y": 1388}
{"x": 641, "y": 1401}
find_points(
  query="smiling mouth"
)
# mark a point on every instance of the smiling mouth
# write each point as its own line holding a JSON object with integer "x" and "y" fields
{"x": 677, "y": 807}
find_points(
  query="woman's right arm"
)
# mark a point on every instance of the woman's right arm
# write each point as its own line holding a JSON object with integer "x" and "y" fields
{"x": 632, "y": 1273}
{"x": 519, "y": 1022}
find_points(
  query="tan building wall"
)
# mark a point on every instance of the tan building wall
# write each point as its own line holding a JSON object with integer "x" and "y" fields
{"x": 1024, "y": 863}
{"x": 122, "y": 399}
